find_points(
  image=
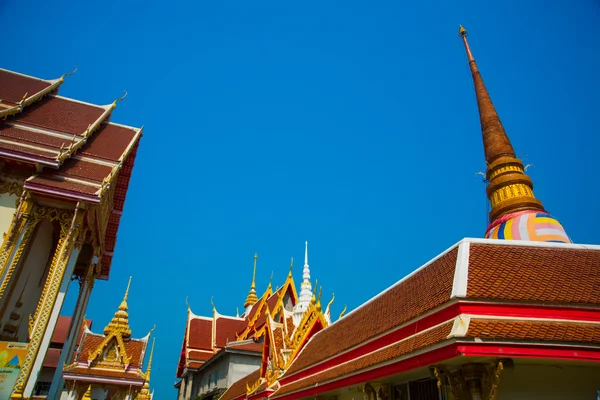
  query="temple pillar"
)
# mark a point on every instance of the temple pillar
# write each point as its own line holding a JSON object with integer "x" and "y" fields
{"x": 49, "y": 306}
{"x": 15, "y": 242}
{"x": 473, "y": 375}
{"x": 188, "y": 387}
{"x": 85, "y": 290}
{"x": 182, "y": 388}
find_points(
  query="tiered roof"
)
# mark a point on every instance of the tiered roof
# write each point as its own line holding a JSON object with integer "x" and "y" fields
{"x": 113, "y": 357}
{"x": 467, "y": 301}
{"x": 72, "y": 150}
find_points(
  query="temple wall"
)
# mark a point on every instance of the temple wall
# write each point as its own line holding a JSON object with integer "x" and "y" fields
{"x": 240, "y": 366}
{"x": 7, "y": 210}
{"x": 549, "y": 382}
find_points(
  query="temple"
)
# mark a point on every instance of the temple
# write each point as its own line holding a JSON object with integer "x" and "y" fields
{"x": 64, "y": 173}
{"x": 515, "y": 315}
{"x": 223, "y": 355}
{"x": 109, "y": 366}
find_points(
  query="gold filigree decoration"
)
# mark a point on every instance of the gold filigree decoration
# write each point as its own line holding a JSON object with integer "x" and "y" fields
{"x": 8, "y": 187}
{"x": 70, "y": 230}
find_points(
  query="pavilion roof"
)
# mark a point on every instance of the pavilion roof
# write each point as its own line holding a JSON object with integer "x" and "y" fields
{"x": 84, "y": 156}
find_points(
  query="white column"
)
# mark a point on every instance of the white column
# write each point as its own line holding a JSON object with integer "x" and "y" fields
{"x": 60, "y": 298}
{"x": 85, "y": 291}
{"x": 182, "y": 388}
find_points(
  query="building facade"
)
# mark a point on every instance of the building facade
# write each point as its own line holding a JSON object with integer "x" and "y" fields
{"x": 64, "y": 174}
{"x": 513, "y": 316}
{"x": 219, "y": 351}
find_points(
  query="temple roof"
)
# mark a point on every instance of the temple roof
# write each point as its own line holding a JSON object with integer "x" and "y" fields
{"x": 239, "y": 388}
{"x": 475, "y": 270}
{"x": 83, "y": 156}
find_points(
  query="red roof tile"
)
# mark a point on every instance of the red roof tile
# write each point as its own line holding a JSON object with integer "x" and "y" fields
{"x": 80, "y": 169}
{"x": 200, "y": 335}
{"x": 405, "y": 347}
{"x": 425, "y": 289}
{"x": 535, "y": 274}
{"x": 14, "y": 86}
{"x": 199, "y": 355}
{"x": 227, "y": 328}
{"x": 61, "y": 115}
{"x": 109, "y": 142}
{"x": 250, "y": 347}
{"x": 538, "y": 331}
{"x": 30, "y": 137}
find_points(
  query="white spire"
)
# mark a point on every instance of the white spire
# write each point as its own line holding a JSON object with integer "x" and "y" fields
{"x": 305, "y": 291}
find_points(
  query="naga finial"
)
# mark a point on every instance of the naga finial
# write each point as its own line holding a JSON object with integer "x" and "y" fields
{"x": 343, "y": 312}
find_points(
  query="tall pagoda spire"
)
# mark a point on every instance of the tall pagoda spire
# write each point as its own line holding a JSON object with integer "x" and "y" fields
{"x": 306, "y": 293}
{"x": 509, "y": 189}
{"x": 120, "y": 321}
{"x": 252, "y": 298}
{"x": 145, "y": 392}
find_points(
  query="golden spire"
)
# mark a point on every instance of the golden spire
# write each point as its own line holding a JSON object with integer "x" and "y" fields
{"x": 252, "y": 298}
{"x": 120, "y": 321}
{"x": 145, "y": 392}
{"x": 88, "y": 393}
{"x": 509, "y": 189}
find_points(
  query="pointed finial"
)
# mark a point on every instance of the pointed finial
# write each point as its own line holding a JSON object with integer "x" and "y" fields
{"x": 150, "y": 360}
{"x": 114, "y": 104}
{"x": 271, "y": 281}
{"x": 291, "y": 266}
{"x": 62, "y": 78}
{"x": 462, "y": 31}
{"x": 331, "y": 301}
{"x": 213, "y": 304}
{"x": 314, "y": 296}
{"x": 251, "y": 299}
{"x": 127, "y": 290}
{"x": 187, "y": 304}
{"x": 509, "y": 189}
{"x": 343, "y": 312}
{"x": 306, "y": 252}
{"x": 237, "y": 312}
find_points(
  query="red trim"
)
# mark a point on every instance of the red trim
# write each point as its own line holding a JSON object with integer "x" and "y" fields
{"x": 530, "y": 351}
{"x": 529, "y": 311}
{"x": 408, "y": 364}
{"x": 450, "y": 311}
{"x": 261, "y": 395}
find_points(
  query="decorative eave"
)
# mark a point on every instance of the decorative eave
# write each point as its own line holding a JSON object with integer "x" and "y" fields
{"x": 28, "y": 100}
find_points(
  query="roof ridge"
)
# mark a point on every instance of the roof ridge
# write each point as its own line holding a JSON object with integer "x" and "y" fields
{"x": 529, "y": 243}
{"x": 27, "y": 76}
{"x": 85, "y": 103}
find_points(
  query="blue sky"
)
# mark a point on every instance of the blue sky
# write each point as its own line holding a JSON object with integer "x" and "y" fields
{"x": 351, "y": 125}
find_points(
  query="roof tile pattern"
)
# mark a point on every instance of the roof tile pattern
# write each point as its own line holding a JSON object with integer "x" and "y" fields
{"x": 13, "y": 87}
{"x": 200, "y": 336}
{"x": 227, "y": 328}
{"x": 535, "y": 274}
{"x": 403, "y": 348}
{"x": 534, "y": 331}
{"x": 424, "y": 290}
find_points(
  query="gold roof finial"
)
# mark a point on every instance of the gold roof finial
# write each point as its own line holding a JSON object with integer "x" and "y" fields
{"x": 509, "y": 189}
{"x": 120, "y": 321}
{"x": 291, "y": 266}
{"x": 343, "y": 312}
{"x": 319, "y": 298}
{"x": 331, "y": 301}
{"x": 88, "y": 393}
{"x": 145, "y": 392}
{"x": 271, "y": 281}
{"x": 212, "y": 303}
{"x": 114, "y": 104}
{"x": 252, "y": 298}
{"x": 462, "y": 31}
{"x": 187, "y": 304}
{"x": 314, "y": 296}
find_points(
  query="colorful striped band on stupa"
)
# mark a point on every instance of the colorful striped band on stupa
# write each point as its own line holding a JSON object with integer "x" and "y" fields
{"x": 527, "y": 225}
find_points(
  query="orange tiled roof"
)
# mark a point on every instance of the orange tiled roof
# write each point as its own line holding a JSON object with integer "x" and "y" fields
{"x": 239, "y": 387}
{"x": 487, "y": 329}
{"x": 200, "y": 336}
{"x": 405, "y": 347}
{"x": 227, "y": 328}
{"x": 105, "y": 373}
{"x": 134, "y": 347}
{"x": 536, "y": 274}
{"x": 424, "y": 290}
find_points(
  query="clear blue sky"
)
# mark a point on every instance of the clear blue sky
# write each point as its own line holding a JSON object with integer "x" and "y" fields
{"x": 349, "y": 125}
